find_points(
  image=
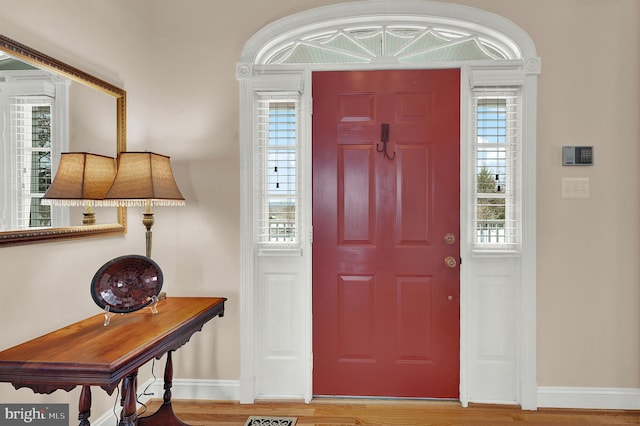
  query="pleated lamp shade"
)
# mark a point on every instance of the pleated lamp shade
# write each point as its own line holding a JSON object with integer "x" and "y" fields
{"x": 143, "y": 179}
{"x": 81, "y": 179}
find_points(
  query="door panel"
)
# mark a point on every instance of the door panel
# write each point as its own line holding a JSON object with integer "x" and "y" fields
{"x": 414, "y": 340}
{"x": 385, "y": 306}
{"x": 413, "y": 195}
{"x": 356, "y": 197}
{"x": 356, "y": 318}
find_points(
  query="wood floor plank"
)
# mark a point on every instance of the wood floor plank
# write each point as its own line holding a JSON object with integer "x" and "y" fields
{"x": 338, "y": 412}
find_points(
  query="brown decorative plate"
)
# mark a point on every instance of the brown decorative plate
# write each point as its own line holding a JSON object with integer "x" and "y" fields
{"x": 126, "y": 283}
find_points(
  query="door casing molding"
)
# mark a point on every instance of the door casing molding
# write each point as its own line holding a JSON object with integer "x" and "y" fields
{"x": 487, "y": 278}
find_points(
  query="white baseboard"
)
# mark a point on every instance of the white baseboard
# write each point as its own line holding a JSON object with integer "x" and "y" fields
{"x": 219, "y": 390}
{"x": 589, "y": 398}
{"x": 548, "y": 396}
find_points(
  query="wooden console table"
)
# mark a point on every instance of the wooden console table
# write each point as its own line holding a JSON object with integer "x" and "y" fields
{"x": 88, "y": 353}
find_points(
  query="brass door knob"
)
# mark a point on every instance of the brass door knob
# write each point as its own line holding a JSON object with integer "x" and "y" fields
{"x": 450, "y": 262}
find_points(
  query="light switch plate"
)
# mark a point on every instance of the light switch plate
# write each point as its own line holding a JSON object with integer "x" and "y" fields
{"x": 575, "y": 188}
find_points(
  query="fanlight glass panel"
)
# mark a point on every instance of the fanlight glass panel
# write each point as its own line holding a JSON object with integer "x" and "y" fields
{"x": 411, "y": 44}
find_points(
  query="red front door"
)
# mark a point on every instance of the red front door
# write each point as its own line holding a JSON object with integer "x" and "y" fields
{"x": 385, "y": 217}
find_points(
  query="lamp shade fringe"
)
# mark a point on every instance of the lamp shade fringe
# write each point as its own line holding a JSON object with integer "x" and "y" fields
{"x": 139, "y": 203}
{"x": 69, "y": 203}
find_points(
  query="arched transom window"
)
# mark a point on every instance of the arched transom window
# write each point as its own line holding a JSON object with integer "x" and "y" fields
{"x": 409, "y": 43}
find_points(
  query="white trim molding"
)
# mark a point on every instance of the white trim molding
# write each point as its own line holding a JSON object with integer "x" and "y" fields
{"x": 548, "y": 396}
{"x": 204, "y": 390}
{"x": 215, "y": 390}
{"x": 470, "y": 19}
{"x": 498, "y": 289}
{"x": 589, "y": 398}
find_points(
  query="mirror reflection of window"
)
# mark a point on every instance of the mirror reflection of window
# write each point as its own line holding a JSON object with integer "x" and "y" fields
{"x": 31, "y": 140}
{"x": 31, "y": 128}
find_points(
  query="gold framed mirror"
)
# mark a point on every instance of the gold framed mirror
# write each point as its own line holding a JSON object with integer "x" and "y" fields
{"x": 97, "y": 130}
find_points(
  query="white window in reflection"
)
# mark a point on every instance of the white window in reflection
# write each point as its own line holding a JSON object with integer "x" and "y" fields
{"x": 33, "y": 103}
{"x": 31, "y": 124}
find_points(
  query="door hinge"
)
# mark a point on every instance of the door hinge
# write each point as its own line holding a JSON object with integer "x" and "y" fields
{"x": 311, "y": 235}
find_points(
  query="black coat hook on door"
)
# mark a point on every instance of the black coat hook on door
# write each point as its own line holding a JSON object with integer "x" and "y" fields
{"x": 384, "y": 138}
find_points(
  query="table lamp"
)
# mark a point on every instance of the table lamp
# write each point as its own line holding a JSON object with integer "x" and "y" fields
{"x": 82, "y": 179}
{"x": 144, "y": 179}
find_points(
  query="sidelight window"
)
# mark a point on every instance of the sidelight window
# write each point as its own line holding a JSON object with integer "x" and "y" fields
{"x": 496, "y": 187}
{"x": 277, "y": 157}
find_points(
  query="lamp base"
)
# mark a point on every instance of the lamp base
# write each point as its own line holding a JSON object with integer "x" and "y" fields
{"x": 88, "y": 218}
{"x": 147, "y": 221}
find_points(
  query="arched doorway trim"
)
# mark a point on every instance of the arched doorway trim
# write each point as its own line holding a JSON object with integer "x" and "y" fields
{"x": 498, "y": 344}
{"x": 492, "y": 30}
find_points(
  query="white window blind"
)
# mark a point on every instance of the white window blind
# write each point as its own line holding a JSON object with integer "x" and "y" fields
{"x": 277, "y": 166}
{"x": 497, "y": 127}
{"x": 31, "y": 132}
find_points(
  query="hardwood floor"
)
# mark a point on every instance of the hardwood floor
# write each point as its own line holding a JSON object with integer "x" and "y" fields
{"x": 331, "y": 412}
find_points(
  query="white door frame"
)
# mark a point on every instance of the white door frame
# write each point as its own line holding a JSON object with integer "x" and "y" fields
{"x": 496, "y": 345}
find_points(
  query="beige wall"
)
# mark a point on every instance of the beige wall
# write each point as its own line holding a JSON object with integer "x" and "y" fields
{"x": 177, "y": 62}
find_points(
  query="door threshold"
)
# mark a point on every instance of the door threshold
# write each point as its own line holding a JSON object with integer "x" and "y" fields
{"x": 382, "y": 399}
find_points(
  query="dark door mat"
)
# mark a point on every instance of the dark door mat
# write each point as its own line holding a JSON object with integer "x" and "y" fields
{"x": 270, "y": 421}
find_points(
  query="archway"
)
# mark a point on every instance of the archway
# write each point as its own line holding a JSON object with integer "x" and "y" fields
{"x": 498, "y": 355}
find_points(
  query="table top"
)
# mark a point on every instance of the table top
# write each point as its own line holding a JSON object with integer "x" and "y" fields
{"x": 90, "y": 353}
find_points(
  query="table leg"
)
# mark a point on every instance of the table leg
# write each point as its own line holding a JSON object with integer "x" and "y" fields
{"x": 84, "y": 406}
{"x": 128, "y": 416}
{"x": 168, "y": 379}
{"x": 165, "y": 415}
